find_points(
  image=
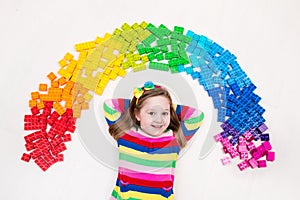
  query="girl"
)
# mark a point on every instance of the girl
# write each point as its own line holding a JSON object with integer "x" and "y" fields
{"x": 150, "y": 131}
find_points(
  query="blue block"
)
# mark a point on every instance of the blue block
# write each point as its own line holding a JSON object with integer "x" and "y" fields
{"x": 181, "y": 68}
{"x": 221, "y": 114}
{"x": 190, "y": 33}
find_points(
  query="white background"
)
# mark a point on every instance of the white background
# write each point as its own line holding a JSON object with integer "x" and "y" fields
{"x": 263, "y": 34}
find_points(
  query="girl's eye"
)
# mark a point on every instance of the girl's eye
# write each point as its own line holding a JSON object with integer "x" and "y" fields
{"x": 165, "y": 113}
{"x": 151, "y": 113}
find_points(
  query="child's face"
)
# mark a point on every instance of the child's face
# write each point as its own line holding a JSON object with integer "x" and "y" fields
{"x": 154, "y": 116}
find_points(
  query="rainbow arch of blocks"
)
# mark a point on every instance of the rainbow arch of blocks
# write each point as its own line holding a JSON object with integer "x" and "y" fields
{"x": 55, "y": 107}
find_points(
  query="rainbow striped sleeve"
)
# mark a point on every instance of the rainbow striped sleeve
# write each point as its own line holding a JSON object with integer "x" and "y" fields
{"x": 114, "y": 108}
{"x": 191, "y": 119}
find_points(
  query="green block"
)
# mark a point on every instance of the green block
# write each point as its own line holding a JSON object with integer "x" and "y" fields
{"x": 164, "y": 30}
{"x": 178, "y": 29}
{"x": 149, "y": 40}
{"x": 155, "y": 50}
{"x": 164, "y": 49}
{"x": 160, "y": 56}
{"x": 164, "y": 41}
{"x": 159, "y": 66}
{"x": 151, "y": 56}
{"x": 174, "y": 69}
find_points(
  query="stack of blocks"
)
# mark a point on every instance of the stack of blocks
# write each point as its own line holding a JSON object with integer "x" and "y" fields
{"x": 54, "y": 108}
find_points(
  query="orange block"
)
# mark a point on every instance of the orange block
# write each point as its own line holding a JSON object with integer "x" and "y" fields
{"x": 40, "y": 105}
{"x": 35, "y": 95}
{"x": 32, "y": 103}
{"x": 59, "y": 108}
{"x": 43, "y": 87}
{"x": 51, "y": 76}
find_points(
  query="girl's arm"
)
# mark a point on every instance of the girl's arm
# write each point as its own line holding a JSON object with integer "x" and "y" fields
{"x": 191, "y": 119}
{"x": 114, "y": 109}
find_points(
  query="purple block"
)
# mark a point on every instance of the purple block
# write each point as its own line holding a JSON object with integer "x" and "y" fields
{"x": 262, "y": 128}
{"x": 270, "y": 156}
{"x": 267, "y": 145}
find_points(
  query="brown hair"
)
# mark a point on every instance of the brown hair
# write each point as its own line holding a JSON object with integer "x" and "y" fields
{"x": 129, "y": 120}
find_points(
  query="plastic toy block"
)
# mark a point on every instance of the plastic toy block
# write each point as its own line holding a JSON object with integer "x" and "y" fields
{"x": 59, "y": 108}
{"x": 35, "y": 110}
{"x": 262, "y": 128}
{"x": 218, "y": 137}
{"x": 26, "y": 157}
{"x": 51, "y": 76}
{"x": 31, "y": 118}
{"x": 226, "y": 160}
{"x": 53, "y": 117}
{"x": 35, "y": 153}
{"x": 56, "y": 141}
{"x": 32, "y": 103}
{"x": 243, "y": 165}
{"x": 242, "y": 148}
{"x": 43, "y": 87}
{"x": 60, "y": 157}
{"x": 62, "y": 63}
{"x": 62, "y": 81}
{"x": 253, "y": 163}
{"x": 244, "y": 155}
{"x": 67, "y": 138}
{"x": 262, "y": 163}
{"x": 40, "y": 105}
{"x": 68, "y": 56}
{"x": 35, "y": 95}
{"x": 264, "y": 137}
{"x": 42, "y": 163}
{"x": 267, "y": 145}
{"x": 29, "y": 146}
{"x": 270, "y": 156}
{"x": 59, "y": 148}
{"x": 84, "y": 106}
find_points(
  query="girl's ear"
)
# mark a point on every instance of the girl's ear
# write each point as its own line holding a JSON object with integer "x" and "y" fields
{"x": 137, "y": 115}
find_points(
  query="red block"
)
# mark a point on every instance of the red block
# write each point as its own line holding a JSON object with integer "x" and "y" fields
{"x": 67, "y": 138}
{"x": 60, "y": 157}
{"x": 42, "y": 163}
{"x": 31, "y": 118}
{"x": 26, "y": 157}
{"x": 29, "y": 146}
{"x": 56, "y": 141}
{"x": 71, "y": 129}
{"x": 35, "y": 110}
{"x": 59, "y": 148}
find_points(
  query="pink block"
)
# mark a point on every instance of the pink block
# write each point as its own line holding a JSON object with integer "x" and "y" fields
{"x": 248, "y": 135}
{"x": 243, "y": 155}
{"x": 267, "y": 145}
{"x": 218, "y": 137}
{"x": 242, "y": 141}
{"x": 243, "y": 165}
{"x": 253, "y": 163}
{"x": 234, "y": 154}
{"x": 270, "y": 156}
{"x": 242, "y": 148}
{"x": 251, "y": 146}
{"x": 262, "y": 163}
{"x": 226, "y": 160}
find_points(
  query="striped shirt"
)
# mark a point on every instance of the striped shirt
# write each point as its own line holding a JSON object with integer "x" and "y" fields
{"x": 147, "y": 164}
